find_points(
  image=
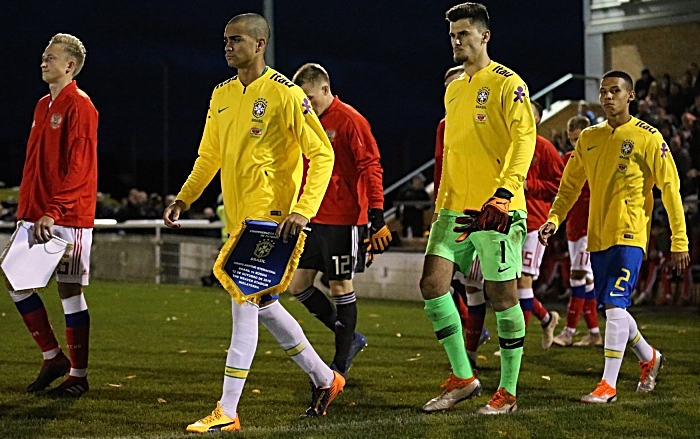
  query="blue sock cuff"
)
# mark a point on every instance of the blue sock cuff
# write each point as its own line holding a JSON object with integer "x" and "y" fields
{"x": 479, "y": 310}
{"x": 527, "y": 304}
{"x": 30, "y": 304}
{"x": 77, "y": 319}
{"x": 579, "y": 292}
{"x": 590, "y": 295}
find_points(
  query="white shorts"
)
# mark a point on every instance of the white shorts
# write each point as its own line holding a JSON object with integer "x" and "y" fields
{"x": 533, "y": 252}
{"x": 580, "y": 258}
{"x": 475, "y": 278}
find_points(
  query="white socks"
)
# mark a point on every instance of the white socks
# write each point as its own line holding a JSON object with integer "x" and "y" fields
{"x": 525, "y": 293}
{"x": 291, "y": 338}
{"x": 476, "y": 299}
{"x": 621, "y": 328}
{"x": 244, "y": 341}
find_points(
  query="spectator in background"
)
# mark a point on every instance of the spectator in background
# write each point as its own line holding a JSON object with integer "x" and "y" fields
{"x": 641, "y": 87}
{"x": 667, "y": 130}
{"x": 687, "y": 90}
{"x": 681, "y": 157}
{"x": 644, "y": 113}
{"x": 154, "y": 209}
{"x": 8, "y": 210}
{"x": 585, "y": 110}
{"x": 103, "y": 209}
{"x": 665, "y": 85}
{"x": 132, "y": 208}
{"x": 675, "y": 104}
{"x": 695, "y": 108}
{"x": 412, "y": 217}
{"x": 694, "y": 71}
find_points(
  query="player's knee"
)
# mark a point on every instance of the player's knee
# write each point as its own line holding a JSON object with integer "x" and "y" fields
{"x": 66, "y": 290}
{"x": 430, "y": 287}
{"x": 341, "y": 288}
{"x": 578, "y": 274}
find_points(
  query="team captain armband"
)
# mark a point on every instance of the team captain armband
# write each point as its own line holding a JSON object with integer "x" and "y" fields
{"x": 28, "y": 265}
{"x": 254, "y": 262}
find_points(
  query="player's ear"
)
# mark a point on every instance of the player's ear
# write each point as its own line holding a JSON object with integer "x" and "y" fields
{"x": 485, "y": 36}
{"x": 70, "y": 67}
{"x": 326, "y": 89}
{"x": 632, "y": 96}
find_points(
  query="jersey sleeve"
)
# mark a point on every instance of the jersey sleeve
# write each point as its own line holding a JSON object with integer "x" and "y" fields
{"x": 315, "y": 146}
{"x": 545, "y": 185}
{"x": 660, "y": 161}
{"x": 572, "y": 181}
{"x": 82, "y": 161}
{"x": 439, "y": 150}
{"x": 521, "y": 125}
{"x": 208, "y": 161}
{"x": 366, "y": 153}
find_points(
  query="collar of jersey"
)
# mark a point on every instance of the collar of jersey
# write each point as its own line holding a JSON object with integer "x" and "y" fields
{"x": 65, "y": 92}
{"x": 485, "y": 69}
{"x": 267, "y": 69}
{"x": 623, "y": 125}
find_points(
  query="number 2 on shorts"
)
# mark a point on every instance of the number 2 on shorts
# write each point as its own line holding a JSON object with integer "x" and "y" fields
{"x": 624, "y": 278}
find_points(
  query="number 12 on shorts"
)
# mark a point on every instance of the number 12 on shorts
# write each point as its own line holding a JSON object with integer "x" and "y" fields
{"x": 342, "y": 264}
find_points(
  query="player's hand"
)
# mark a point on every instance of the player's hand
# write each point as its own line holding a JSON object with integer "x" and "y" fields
{"x": 42, "y": 229}
{"x": 545, "y": 232}
{"x": 494, "y": 215}
{"x": 380, "y": 235}
{"x": 367, "y": 244}
{"x": 470, "y": 224}
{"x": 172, "y": 213}
{"x": 292, "y": 225}
{"x": 680, "y": 261}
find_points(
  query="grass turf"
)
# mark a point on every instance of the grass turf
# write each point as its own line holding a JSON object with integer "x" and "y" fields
{"x": 158, "y": 353}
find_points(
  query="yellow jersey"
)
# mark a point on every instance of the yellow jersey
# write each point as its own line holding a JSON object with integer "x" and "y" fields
{"x": 489, "y": 139}
{"x": 621, "y": 166}
{"x": 256, "y": 135}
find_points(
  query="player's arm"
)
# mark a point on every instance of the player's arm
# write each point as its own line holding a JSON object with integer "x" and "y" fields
{"x": 546, "y": 186}
{"x": 523, "y": 135}
{"x": 366, "y": 153}
{"x": 204, "y": 170}
{"x": 316, "y": 147}
{"x": 572, "y": 181}
{"x": 439, "y": 153}
{"x": 663, "y": 167}
{"x": 82, "y": 151}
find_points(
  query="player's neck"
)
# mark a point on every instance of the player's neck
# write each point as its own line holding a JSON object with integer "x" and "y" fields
{"x": 249, "y": 74}
{"x": 480, "y": 63}
{"x": 619, "y": 119}
{"x": 56, "y": 87}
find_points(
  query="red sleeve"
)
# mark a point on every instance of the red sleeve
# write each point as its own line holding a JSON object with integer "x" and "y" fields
{"x": 366, "y": 153}
{"x": 82, "y": 159}
{"x": 439, "y": 150}
{"x": 545, "y": 183}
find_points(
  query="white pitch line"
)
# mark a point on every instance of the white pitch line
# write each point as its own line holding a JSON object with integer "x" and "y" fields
{"x": 413, "y": 418}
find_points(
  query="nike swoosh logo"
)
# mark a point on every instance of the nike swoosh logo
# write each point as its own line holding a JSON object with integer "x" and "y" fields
{"x": 615, "y": 295}
{"x": 588, "y": 149}
{"x": 222, "y": 109}
{"x": 510, "y": 344}
{"x": 501, "y": 270}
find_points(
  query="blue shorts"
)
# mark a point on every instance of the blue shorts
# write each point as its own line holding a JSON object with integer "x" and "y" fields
{"x": 616, "y": 271}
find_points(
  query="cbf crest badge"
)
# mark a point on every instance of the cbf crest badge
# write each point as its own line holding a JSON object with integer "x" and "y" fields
{"x": 56, "y": 120}
{"x": 482, "y": 95}
{"x": 259, "y": 108}
{"x": 263, "y": 249}
{"x": 627, "y": 146}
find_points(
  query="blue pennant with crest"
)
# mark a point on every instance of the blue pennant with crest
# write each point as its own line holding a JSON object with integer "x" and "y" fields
{"x": 255, "y": 262}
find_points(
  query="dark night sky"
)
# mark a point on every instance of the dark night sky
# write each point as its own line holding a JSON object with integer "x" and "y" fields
{"x": 386, "y": 58}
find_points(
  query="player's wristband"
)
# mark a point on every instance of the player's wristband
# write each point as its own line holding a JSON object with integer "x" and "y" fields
{"x": 376, "y": 219}
{"x": 503, "y": 193}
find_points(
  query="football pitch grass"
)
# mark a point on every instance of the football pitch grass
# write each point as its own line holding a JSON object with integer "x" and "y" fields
{"x": 158, "y": 353}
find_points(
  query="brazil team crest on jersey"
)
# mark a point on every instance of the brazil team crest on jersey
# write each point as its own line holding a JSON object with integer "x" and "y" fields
{"x": 627, "y": 146}
{"x": 259, "y": 108}
{"x": 482, "y": 95}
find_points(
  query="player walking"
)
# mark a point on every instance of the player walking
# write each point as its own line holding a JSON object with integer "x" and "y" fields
{"x": 489, "y": 143}
{"x": 622, "y": 159}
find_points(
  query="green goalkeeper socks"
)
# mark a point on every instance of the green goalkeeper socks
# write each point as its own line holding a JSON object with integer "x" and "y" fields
{"x": 511, "y": 335}
{"x": 443, "y": 314}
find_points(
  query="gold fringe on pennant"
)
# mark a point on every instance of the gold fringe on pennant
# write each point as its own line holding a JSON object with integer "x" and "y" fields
{"x": 231, "y": 286}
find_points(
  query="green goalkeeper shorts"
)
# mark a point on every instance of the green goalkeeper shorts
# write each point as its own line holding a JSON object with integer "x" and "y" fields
{"x": 500, "y": 255}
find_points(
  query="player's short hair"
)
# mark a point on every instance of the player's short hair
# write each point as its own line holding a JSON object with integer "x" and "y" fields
{"x": 456, "y": 70}
{"x": 577, "y": 123}
{"x": 311, "y": 73}
{"x": 256, "y": 24}
{"x": 538, "y": 107}
{"x": 476, "y": 12}
{"x": 73, "y": 47}
{"x": 620, "y": 74}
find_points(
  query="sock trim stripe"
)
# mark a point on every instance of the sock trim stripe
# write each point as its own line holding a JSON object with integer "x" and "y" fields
{"x": 30, "y": 304}
{"x": 611, "y": 353}
{"x": 636, "y": 338}
{"x": 511, "y": 343}
{"x": 296, "y": 349}
{"x": 345, "y": 299}
{"x": 306, "y": 294}
{"x": 233, "y": 372}
{"x": 447, "y": 331}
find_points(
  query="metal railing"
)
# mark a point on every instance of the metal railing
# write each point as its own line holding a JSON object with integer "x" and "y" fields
{"x": 548, "y": 91}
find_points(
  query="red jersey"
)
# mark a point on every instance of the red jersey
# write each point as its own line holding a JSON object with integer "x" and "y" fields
{"x": 543, "y": 179}
{"x": 439, "y": 150}
{"x": 577, "y": 219}
{"x": 356, "y": 181}
{"x": 60, "y": 170}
